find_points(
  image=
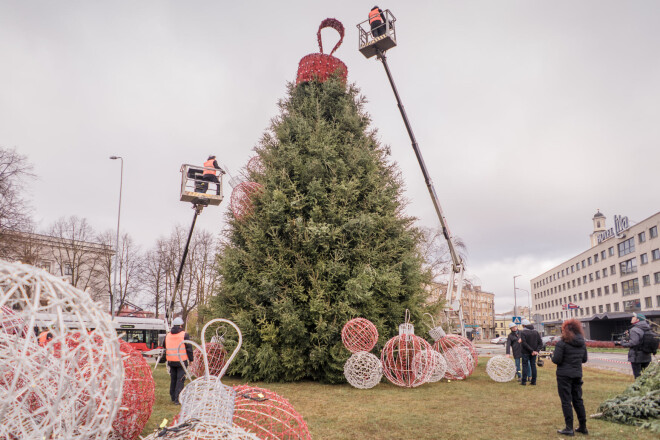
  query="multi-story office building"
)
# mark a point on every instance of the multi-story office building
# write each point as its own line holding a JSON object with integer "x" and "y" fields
{"x": 478, "y": 309}
{"x": 604, "y": 285}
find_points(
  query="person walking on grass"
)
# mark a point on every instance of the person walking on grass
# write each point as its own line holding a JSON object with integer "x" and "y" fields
{"x": 531, "y": 345}
{"x": 177, "y": 353}
{"x": 569, "y": 355}
{"x": 513, "y": 347}
{"x": 638, "y": 357}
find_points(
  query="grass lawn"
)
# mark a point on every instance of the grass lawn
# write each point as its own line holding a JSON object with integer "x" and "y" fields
{"x": 476, "y": 408}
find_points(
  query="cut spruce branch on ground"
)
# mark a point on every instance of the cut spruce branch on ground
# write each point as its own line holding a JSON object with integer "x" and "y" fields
{"x": 477, "y": 408}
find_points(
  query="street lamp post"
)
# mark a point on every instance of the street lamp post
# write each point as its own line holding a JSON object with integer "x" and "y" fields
{"x": 515, "y": 302}
{"x": 114, "y": 282}
{"x": 529, "y": 303}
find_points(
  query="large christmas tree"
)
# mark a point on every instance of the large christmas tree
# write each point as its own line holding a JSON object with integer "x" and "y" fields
{"x": 325, "y": 240}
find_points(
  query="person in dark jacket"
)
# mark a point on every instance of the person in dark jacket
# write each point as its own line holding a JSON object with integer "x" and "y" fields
{"x": 377, "y": 21}
{"x": 570, "y": 353}
{"x": 531, "y": 345}
{"x": 513, "y": 346}
{"x": 177, "y": 353}
{"x": 638, "y": 359}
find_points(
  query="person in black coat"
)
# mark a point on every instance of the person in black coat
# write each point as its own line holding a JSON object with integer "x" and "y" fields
{"x": 531, "y": 345}
{"x": 175, "y": 355}
{"x": 513, "y": 347}
{"x": 570, "y": 353}
{"x": 638, "y": 358}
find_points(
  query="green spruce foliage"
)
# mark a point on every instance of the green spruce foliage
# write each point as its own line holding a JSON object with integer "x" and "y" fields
{"x": 639, "y": 404}
{"x": 327, "y": 240}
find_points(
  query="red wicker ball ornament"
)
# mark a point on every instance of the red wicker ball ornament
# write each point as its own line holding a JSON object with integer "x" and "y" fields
{"x": 359, "y": 334}
{"x": 241, "y": 198}
{"x": 216, "y": 355}
{"x": 460, "y": 355}
{"x": 255, "y": 165}
{"x": 407, "y": 361}
{"x": 319, "y": 66}
{"x": 267, "y": 414}
{"x": 138, "y": 395}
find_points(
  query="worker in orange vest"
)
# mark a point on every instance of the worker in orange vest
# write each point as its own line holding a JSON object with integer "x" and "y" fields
{"x": 210, "y": 174}
{"x": 177, "y": 353}
{"x": 44, "y": 338}
{"x": 377, "y": 21}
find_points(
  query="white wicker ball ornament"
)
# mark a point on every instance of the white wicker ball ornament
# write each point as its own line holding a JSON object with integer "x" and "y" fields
{"x": 501, "y": 368}
{"x": 439, "y": 365}
{"x": 71, "y": 387}
{"x": 363, "y": 370}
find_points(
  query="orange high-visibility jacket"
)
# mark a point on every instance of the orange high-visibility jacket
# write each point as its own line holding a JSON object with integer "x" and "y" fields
{"x": 43, "y": 336}
{"x": 209, "y": 164}
{"x": 374, "y": 15}
{"x": 175, "y": 351}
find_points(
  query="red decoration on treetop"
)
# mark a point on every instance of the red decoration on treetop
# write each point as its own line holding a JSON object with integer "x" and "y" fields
{"x": 319, "y": 66}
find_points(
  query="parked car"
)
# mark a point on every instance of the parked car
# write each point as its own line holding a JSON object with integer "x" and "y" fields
{"x": 499, "y": 340}
{"x": 549, "y": 340}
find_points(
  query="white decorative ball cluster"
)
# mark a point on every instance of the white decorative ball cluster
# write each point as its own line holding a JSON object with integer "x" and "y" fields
{"x": 363, "y": 370}
{"x": 501, "y": 368}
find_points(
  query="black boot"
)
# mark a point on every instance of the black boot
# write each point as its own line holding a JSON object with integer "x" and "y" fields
{"x": 566, "y": 431}
{"x": 582, "y": 429}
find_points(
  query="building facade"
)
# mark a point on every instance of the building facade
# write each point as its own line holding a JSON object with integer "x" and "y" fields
{"x": 478, "y": 309}
{"x": 618, "y": 275}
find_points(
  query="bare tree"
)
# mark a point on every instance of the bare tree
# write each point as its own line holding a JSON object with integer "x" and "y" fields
{"x": 156, "y": 276}
{"x": 78, "y": 256}
{"x": 435, "y": 252}
{"x": 129, "y": 271}
{"x": 14, "y": 208}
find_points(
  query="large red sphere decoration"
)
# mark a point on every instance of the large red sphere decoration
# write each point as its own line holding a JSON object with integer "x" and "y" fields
{"x": 216, "y": 355}
{"x": 460, "y": 355}
{"x": 319, "y": 66}
{"x": 241, "y": 198}
{"x": 359, "y": 334}
{"x": 267, "y": 415}
{"x": 255, "y": 166}
{"x": 407, "y": 361}
{"x": 138, "y": 395}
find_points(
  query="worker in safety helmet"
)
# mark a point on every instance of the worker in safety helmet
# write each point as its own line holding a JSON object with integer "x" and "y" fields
{"x": 210, "y": 174}
{"x": 377, "y": 21}
{"x": 177, "y": 353}
{"x": 44, "y": 338}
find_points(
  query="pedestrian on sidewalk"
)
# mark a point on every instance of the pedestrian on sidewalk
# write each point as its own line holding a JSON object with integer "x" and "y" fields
{"x": 513, "y": 347}
{"x": 531, "y": 345}
{"x": 569, "y": 355}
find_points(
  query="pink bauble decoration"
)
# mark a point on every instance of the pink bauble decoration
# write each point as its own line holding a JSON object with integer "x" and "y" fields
{"x": 138, "y": 395}
{"x": 460, "y": 355}
{"x": 255, "y": 165}
{"x": 216, "y": 355}
{"x": 359, "y": 334}
{"x": 10, "y": 323}
{"x": 241, "y": 198}
{"x": 407, "y": 361}
{"x": 268, "y": 415}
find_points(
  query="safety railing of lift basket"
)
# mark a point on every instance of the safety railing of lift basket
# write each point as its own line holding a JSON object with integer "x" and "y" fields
{"x": 366, "y": 37}
{"x": 196, "y": 183}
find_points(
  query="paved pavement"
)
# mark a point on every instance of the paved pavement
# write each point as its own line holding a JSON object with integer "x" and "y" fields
{"x": 605, "y": 361}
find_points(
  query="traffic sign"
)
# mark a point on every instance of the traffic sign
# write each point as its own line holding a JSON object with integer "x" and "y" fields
{"x": 517, "y": 320}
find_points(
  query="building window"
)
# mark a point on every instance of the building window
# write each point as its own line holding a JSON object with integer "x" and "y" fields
{"x": 655, "y": 254}
{"x": 595, "y": 258}
{"x": 591, "y": 277}
{"x": 610, "y": 251}
{"x": 648, "y": 303}
{"x": 593, "y": 310}
{"x": 573, "y": 283}
{"x": 607, "y": 290}
{"x": 630, "y": 287}
{"x": 604, "y": 272}
{"x": 626, "y": 247}
{"x": 628, "y": 266}
{"x": 592, "y": 293}
{"x": 589, "y": 261}
{"x": 602, "y": 254}
{"x": 580, "y": 296}
{"x": 644, "y": 258}
{"x": 646, "y": 280}
{"x": 653, "y": 232}
{"x": 657, "y": 300}
{"x": 607, "y": 308}
{"x": 45, "y": 265}
{"x": 612, "y": 269}
{"x": 616, "y": 306}
{"x": 583, "y": 264}
{"x": 600, "y": 292}
{"x": 597, "y": 274}
{"x": 641, "y": 237}
{"x": 579, "y": 281}
{"x": 614, "y": 288}
{"x": 67, "y": 269}
{"x": 656, "y": 278}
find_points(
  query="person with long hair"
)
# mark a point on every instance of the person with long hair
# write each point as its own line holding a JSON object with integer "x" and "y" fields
{"x": 570, "y": 353}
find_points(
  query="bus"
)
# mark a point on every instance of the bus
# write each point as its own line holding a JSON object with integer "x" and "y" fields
{"x": 143, "y": 334}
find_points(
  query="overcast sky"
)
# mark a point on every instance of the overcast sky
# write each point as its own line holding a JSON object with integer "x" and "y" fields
{"x": 531, "y": 115}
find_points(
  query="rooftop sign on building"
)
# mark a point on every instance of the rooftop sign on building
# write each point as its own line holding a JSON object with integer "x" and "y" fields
{"x": 621, "y": 224}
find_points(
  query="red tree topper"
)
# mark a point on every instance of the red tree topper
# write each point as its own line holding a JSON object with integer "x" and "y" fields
{"x": 241, "y": 198}
{"x": 268, "y": 415}
{"x": 359, "y": 334}
{"x": 319, "y": 66}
